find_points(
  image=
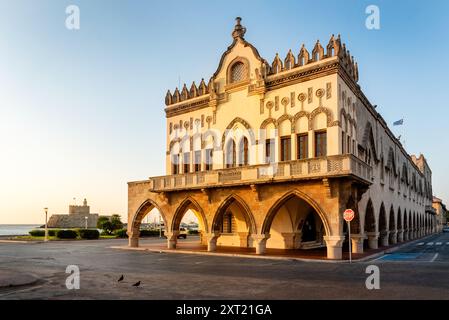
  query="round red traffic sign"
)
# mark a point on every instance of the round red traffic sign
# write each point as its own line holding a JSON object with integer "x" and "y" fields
{"x": 348, "y": 215}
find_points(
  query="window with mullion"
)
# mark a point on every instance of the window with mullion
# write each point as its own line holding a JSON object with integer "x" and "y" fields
{"x": 303, "y": 149}
{"x": 186, "y": 162}
{"x": 197, "y": 161}
{"x": 320, "y": 144}
{"x": 285, "y": 148}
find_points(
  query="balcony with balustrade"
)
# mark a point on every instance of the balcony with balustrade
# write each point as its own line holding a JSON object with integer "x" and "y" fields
{"x": 296, "y": 170}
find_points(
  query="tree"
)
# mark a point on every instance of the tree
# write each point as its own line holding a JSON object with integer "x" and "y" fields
{"x": 105, "y": 224}
{"x": 109, "y": 224}
{"x": 116, "y": 222}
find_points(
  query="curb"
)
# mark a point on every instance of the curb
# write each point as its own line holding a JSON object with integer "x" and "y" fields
{"x": 266, "y": 257}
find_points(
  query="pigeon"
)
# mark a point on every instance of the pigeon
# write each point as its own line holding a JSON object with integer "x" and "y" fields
{"x": 136, "y": 284}
{"x": 121, "y": 278}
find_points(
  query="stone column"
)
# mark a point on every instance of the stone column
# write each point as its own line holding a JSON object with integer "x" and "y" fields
{"x": 357, "y": 243}
{"x": 297, "y": 240}
{"x": 212, "y": 241}
{"x": 373, "y": 240}
{"x": 384, "y": 238}
{"x": 334, "y": 244}
{"x": 393, "y": 237}
{"x": 261, "y": 242}
{"x": 243, "y": 236}
{"x": 290, "y": 239}
{"x": 401, "y": 235}
{"x": 172, "y": 238}
{"x": 405, "y": 234}
{"x": 133, "y": 239}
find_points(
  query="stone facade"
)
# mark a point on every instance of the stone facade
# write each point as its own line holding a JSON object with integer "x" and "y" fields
{"x": 270, "y": 155}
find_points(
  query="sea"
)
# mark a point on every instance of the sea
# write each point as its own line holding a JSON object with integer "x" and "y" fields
{"x": 16, "y": 229}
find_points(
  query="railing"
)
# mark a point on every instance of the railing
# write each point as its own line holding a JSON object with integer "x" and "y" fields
{"x": 332, "y": 166}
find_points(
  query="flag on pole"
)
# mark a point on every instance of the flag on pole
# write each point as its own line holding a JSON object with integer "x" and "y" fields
{"x": 399, "y": 122}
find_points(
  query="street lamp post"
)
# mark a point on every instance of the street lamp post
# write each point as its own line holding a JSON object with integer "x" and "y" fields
{"x": 46, "y": 228}
{"x": 85, "y": 218}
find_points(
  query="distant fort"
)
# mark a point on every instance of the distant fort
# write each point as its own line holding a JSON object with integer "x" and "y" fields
{"x": 75, "y": 219}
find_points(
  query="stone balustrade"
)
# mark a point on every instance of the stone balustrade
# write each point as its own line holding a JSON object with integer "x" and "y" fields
{"x": 314, "y": 168}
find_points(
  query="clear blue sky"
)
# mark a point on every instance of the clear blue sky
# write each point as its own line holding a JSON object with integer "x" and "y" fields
{"x": 81, "y": 112}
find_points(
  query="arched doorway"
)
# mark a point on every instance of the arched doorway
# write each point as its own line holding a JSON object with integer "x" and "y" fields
{"x": 370, "y": 227}
{"x": 233, "y": 224}
{"x": 295, "y": 222}
{"x": 134, "y": 226}
{"x": 392, "y": 226}
{"x": 383, "y": 238}
{"x": 189, "y": 223}
{"x": 400, "y": 225}
{"x": 406, "y": 226}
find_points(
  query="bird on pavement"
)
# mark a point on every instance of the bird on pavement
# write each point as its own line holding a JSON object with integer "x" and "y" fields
{"x": 136, "y": 284}
{"x": 121, "y": 278}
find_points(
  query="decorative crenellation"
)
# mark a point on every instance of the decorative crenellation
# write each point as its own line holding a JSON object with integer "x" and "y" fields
{"x": 186, "y": 94}
{"x": 333, "y": 49}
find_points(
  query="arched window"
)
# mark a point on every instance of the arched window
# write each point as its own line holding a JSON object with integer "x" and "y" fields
{"x": 230, "y": 154}
{"x": 243, "y": 152}
{"x": 238, "y": 72}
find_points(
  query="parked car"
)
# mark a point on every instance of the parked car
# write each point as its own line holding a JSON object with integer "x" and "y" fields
{"x": 446, "y": 229}
{"x": 182, "y": 233}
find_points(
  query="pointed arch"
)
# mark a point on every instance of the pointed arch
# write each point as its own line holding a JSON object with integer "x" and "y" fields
{"x": 382, "y": 219}
{"x": 370, "y": 217}
{"x": 245, "y": 124}
{"x": 329, "y": 117}
{"x": 143, "y": 210}
{"x": 284, "y": 117}
{"x": 400, "y": 220}
{"x": 392, "y": 220}
{"x": 186, "y": 204}
{"x": 268, "y": 121}
{"x": 369, "y": 141}
{"x": 280, "y": 202}
{"x": 230, "y": 158}
{"x": 391, "y": 163}
{"x": 243, "y": 152}
{"x": 298, "y": 116}
{"x": 233, "y": 198}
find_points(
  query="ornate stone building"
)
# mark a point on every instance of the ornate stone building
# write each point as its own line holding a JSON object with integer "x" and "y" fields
{"x": 269, "y": 155}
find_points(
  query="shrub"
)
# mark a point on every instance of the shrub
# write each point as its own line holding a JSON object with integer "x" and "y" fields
{"x": 193, "y": 232}
{"x": 37, "y": 233}
{"x": 89, "y": 234}
{"x": 52, "y": 232}
{"x": 121, "y": 233}
{"x": 66, "y": 234}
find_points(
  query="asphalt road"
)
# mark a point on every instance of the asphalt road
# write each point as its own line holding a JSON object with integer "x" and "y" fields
{"x": 419, "y": 270}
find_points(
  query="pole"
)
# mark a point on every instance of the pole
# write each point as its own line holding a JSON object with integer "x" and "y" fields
{"x": 46, "y": 228}
{"x": 350, "y": 242}
{"x": 85, "y": 219}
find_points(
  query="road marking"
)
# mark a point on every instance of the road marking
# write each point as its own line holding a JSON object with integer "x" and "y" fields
{"x": 420, "y": 244}
{"x": 430, "y": 243}
{"x": 434, "y": 257}
{"x": 439, "y": 243}
{"x": 447, "y": 243}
